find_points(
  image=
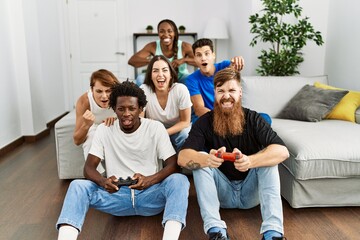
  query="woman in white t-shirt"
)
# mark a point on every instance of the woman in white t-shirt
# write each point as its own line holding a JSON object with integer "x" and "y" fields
{"x": 168, "y": 101}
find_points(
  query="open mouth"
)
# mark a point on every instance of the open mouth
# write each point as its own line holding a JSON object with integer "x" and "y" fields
{"x": 161, "y": 83}
{"x": 104, "y": 102}
{"x": 126, "y": 122}
{"x": 227, "y": 104}
{"x": 204, "y": 64}
{"x": 167, "y": 40}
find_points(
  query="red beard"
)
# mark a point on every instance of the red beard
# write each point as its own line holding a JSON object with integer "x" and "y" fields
{"x": 228, "y": 122}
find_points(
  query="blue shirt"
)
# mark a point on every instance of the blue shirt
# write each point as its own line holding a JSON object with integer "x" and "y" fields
{"x": 197, "y": 83}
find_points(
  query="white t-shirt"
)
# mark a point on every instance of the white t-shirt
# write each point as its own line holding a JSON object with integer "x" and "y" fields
{"x": 127, "y": 153}
{"x": 99, "y": 112}
{"x": 178, "y": 99}
{"x": 100, "y": 115}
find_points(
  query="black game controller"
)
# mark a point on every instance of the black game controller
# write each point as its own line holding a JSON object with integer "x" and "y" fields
{"x": 126, "y": 182}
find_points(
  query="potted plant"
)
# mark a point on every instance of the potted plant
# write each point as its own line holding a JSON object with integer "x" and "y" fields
{"x": 182, "y": 29}
{"x": 286, "y": 39}
{"x": 149, "y": 29}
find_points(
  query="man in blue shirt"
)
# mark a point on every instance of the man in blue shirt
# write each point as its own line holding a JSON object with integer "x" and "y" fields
{"x": 201, "y": 82}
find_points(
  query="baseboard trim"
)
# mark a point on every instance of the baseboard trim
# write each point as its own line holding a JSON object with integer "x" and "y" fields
{"x": 37, "y": 137}
{"x": 51, "y": 124}
{"x": 11, "y": 146}
{"x": 30, "y": 138}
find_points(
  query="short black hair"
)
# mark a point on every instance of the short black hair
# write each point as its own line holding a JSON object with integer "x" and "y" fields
{"x": 128, "y": 89}
{"x": 201, "y": 43}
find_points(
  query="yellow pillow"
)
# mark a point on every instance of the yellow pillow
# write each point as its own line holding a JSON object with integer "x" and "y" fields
{"x": 345, "y": 109}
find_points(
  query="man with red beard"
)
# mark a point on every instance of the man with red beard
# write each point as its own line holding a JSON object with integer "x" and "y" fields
{"x": 201, "y": 82}
{"x": 249, "y": 180}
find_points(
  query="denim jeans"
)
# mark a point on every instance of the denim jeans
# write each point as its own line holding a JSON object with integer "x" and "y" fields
{"x": 178, "y": 139}
{"x": 261, "y": 186}
{"x": 170, "y": 195}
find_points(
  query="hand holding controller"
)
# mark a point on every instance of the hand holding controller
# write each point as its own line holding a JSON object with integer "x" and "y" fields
{"x": 126, "y": 182}
{"x": 228, "y": 156}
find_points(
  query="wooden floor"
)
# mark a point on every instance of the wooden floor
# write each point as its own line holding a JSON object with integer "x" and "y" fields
{"x": 31, "y": 197}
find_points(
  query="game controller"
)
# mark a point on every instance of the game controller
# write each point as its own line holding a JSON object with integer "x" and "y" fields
{"x": 228, "y": 156}
{"x": 126, "y": 182}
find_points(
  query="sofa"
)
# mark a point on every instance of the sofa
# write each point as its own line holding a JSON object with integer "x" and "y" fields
{"x": 324, "y": 164}
{"x": 70, "y": 158}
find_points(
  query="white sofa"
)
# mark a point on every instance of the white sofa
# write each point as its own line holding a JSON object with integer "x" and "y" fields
{"x": 324, "y": 164}
{"x": 70, "y": 158}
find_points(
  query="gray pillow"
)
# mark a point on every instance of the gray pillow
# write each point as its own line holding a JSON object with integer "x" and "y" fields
{"x": 311, "y": 104}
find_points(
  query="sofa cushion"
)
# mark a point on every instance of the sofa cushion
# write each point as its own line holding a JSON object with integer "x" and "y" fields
{"x": 311, "y": 104}
{"x": 326, "y": 149}
{"x": 346, "y": 108}
{"x": 270, "y": 94}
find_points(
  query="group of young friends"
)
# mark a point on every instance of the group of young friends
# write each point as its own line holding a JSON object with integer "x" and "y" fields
{"x": 148, "y": 133}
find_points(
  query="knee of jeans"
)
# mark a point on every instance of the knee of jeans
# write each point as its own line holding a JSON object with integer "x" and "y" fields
{"x": 182, "y": 136}
{"x": 178, "y": 180}
{"x": 202, "y": 171}
{"x": 80, "y": 184}
{"x": 185, "y": 132}
{"x": 267, "y": 170}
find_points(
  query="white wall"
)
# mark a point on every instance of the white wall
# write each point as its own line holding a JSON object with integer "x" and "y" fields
{"x": 192, "y": 14}
{"x": 239, "y": 26}
{"x": 343, "y": 50}
{"x": 314, "y": 55}
{"x": 10, "y": 118}
{"x": 51, "y": 48}
{"x": 33, "y": 81}
{"x": 35, "y": 75}
{"x": 240, "y": 37}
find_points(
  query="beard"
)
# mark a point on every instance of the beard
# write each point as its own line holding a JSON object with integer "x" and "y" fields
{"x": 228, "y": 122}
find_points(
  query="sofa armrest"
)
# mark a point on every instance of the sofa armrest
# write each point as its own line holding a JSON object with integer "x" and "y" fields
{"x": 70, "y": 158}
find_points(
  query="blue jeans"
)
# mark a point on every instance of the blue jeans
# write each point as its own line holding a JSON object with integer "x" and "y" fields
{"x": 261, "y": 186}
{"x": 140, "y": 79}
{"x": 178, "y": 139}
{"x": 170, "y": 195}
